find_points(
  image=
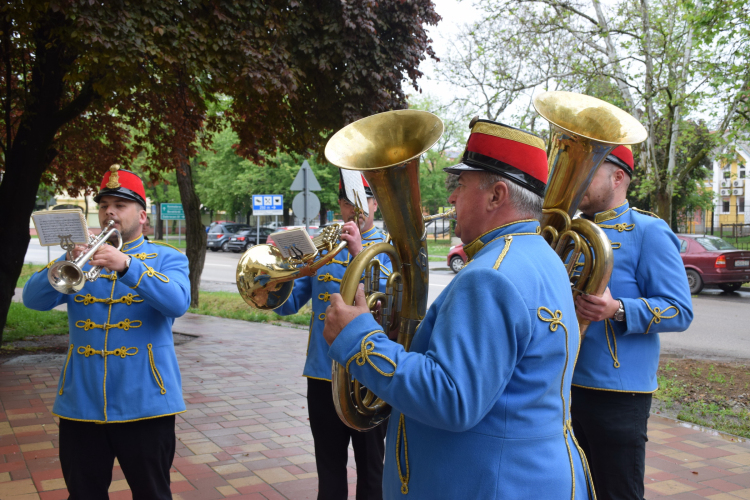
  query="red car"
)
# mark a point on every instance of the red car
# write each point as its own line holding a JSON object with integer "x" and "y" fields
{"x": 709, "y": 260}
{"x": 457, "y": 258}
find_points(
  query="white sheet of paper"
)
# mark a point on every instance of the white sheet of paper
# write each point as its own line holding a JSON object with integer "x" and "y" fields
{"x": 294, "y": 238}
{"x": 51, "y": 225}
{"x": 355, "y": 189}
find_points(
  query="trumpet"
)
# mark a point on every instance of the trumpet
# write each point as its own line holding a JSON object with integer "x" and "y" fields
{"x": 69, "y": 277}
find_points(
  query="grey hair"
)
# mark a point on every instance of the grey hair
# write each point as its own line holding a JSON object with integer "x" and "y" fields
{"x": 528, "y": 204}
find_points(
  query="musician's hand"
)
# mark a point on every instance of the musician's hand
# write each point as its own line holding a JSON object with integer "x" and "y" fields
{"x": 109, "y": 257}
{"x": 338, "y": 314}
{"x": 350, "y": 234}
{"x": 77, "y": 251}
{"x": 594, "y": 308}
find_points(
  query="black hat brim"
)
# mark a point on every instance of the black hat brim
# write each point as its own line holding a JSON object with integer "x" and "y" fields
{"x": 121, "y": 192}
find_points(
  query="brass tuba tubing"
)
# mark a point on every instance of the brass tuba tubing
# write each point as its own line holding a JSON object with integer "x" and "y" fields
{"x": 386, "y": 148}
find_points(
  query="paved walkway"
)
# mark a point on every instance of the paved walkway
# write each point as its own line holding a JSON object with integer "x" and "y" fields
{"x": 246, "y": 432}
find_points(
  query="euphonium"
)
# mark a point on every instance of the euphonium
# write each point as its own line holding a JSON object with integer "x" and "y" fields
{"x": 386, "y": 148}
{"x": 68, "y": 277}
{"x": 583, "y": 131}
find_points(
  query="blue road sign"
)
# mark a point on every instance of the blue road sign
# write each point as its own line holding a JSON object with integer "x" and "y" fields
{"x": 268, "y": 204}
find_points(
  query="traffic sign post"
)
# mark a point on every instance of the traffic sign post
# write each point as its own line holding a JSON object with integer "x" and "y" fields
{"x": 266, "y": 204}
{"x": 305, "y": 204}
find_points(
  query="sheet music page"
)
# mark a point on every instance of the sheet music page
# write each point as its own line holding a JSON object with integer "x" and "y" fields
{"x": 294, "y": 242}
{"x": 355, "y": 189}
{"x": 52, "y": 225}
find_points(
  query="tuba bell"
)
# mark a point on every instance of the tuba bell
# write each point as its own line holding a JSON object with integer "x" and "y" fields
{"x": 386, "y": 148}
{"x": 583, "y": 131}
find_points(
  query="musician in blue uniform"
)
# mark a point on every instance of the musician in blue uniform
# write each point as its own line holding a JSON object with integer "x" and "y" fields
{"x": 616, "y": 371}
{"x": 120, "y": 386}
{"x": 330, "y": 435}
{"x": 481, "y": 400}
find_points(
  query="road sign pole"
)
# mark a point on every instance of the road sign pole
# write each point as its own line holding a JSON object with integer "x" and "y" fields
{"x": 179, "y": 232}
{"x": 307, "y": 222}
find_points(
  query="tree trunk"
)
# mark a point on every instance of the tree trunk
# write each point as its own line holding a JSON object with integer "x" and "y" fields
{"x": 663, "y": 205}
{"x": 158, "y": 224}
{"x": 195, "y": 231}
{"x": 30, "y": 152}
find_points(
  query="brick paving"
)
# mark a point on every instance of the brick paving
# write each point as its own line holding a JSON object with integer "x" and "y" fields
{"x": 246, "y": 432}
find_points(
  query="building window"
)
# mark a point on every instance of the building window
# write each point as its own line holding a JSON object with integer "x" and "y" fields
{"x": 740, "y": 204}
{"x": 727, "y": 174}
{"x": 725, "y": 206}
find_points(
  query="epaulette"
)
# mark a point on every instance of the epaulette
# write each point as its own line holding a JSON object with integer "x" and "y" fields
{"x": 644, "y": 212}
{"x": 164, "y": 244}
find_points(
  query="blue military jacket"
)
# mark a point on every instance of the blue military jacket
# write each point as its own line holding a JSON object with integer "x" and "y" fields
{"x": 320, "y": 288}
{"x": 481, "y": 401}
{"x": 121, "y": 364}
{"x": 649, "y": 277}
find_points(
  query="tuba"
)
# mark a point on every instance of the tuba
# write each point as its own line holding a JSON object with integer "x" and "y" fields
{"x": 386, "y": 148}
{"x": 583, "y": 131}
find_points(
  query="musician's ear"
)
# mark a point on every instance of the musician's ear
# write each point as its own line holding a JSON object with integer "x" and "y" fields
{"x": 499, "y": 196}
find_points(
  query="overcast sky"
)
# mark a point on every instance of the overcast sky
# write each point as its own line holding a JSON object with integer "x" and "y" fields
{"x": 455, "y": 14}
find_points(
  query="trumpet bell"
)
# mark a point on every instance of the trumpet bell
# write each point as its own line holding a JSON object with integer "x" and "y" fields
{"x": 264, "y": 279}
{"x": 66, "y": 277}
{"x": 384, "y": 140}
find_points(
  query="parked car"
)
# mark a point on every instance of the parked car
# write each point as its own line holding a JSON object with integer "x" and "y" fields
{"x": 219, "y": 234}
{"x": 457, "y": 258}
{"x": 313, "y": 231}
{"x": 709, "y": 260}
{"x": 244, "y": 239}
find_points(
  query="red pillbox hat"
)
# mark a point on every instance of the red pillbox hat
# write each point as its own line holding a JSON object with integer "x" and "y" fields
{"x": 122, "y": 183}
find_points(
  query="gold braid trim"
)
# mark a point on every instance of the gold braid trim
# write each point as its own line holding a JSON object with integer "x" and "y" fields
{"x": 623, "y": 226}
{"x": 125, "y": 324}
{"x": 154, "y": 370}
{"x": 555, "y": 320}
{"x": 367, "y": 349}
{"x": 88, "y": 299}
{"x": 47, "y": 266}
{"x": 65, "y": 370}
{"x": 508, "y": 241}
{"x": 322, "y": 316}
{"x": 615, "y": 245}
{"x": 658, "y": 314}
{"x": 164, "y": 245}
{"x": 121, "y": 352}
{"x": 150, "y": 272}
{"x": 607, "y": 327}
{"x": 403, "y": 478}
{"x": 144, "y": 255}
{"x": 646, "y": 213}
{"x": 328, "y": 277}
{"x": 325, "y": 297}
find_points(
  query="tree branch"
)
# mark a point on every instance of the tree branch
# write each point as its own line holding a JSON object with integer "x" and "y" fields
{"x": 76, "y": 106}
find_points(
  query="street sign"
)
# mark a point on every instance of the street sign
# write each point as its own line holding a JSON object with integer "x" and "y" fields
{"x": 299, "y": 182}
{"x": 268, "y": 204}
{"x": 313, "y": 206}
{"x": 172, "y": 211}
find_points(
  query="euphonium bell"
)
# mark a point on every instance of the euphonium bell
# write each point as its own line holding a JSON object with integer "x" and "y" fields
{"x": 583, "y": 131}
{"x": 69, "y": 277}
{"x": 386, "y": 148}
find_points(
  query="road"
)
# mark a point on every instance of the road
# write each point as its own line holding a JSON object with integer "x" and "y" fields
{"x": 720, "y": 329}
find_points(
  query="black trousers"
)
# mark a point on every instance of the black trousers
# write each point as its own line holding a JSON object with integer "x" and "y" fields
{"x": 611, "y": 428}
{"x": 144, "y": 449}
{"x": 332, "y": 437}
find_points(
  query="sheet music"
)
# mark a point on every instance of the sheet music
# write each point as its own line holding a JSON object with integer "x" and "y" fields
{"x": 355, "y": 189}
{"x": 53, "y": 225}
{"x": 294, "y": 242}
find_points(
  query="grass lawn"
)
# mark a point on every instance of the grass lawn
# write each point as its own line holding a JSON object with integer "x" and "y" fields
{"x": 26, "y": 273}
{"x": 715, "y": 395}
{"x": 23, "y": 322}
{"x": 231, "y": 305}
{"x": 173, "y": 241}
